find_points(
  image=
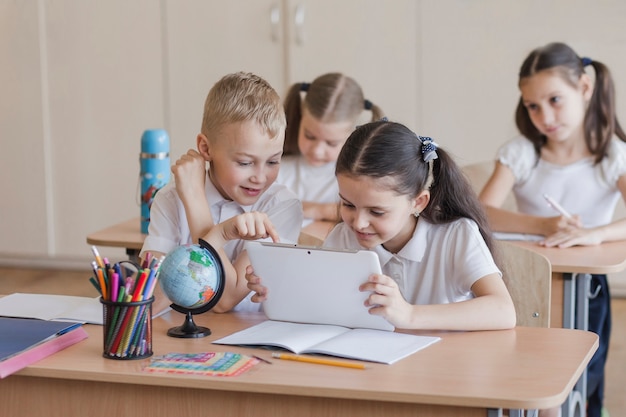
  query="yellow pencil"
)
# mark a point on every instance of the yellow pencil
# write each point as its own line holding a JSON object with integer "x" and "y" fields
{"x": 320, "y": 361}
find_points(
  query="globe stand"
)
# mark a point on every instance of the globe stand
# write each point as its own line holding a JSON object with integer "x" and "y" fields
{"x": 171, "y": 262}
{"x": 189, "y": 329}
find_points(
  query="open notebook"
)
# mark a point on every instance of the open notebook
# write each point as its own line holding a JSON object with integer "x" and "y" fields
{"x": 316, "y": 285}
{"x": 361, "y": 344}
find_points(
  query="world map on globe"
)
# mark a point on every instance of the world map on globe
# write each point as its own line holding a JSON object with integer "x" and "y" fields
{"x": 188, "y": 276}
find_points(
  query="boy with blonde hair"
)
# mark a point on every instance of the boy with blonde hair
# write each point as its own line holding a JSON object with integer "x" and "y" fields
{"x": 236, "y": 199}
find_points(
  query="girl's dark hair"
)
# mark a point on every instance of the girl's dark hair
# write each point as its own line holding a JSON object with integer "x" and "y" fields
{"x": 600, "y": 119}
{"x": 331, "y": 98}
{"x": 392, "y": 151}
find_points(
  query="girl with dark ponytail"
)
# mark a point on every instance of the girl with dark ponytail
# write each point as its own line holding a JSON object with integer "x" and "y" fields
{"x": 403, "y": 197}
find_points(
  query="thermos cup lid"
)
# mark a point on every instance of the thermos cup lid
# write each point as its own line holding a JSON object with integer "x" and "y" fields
{"x": 154, "y": 141}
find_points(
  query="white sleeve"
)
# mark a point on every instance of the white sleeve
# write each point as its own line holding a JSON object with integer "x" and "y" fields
{"x": 613, "y": 165}
{"x": 473, "y": 260}
{"x": 164, "y": 233}
{"x": 519, "y": 155}
{"x": 286, "y": 216}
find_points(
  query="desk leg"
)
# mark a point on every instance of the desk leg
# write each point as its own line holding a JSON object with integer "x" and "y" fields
{"x": 583, "y": 289}
{"x": 569, "y": 301}
{"x": 497, "y": 412}
{"x": 521, "y": 413}
{"x": 576, "y": 289}
{"x": 133, "y": 254}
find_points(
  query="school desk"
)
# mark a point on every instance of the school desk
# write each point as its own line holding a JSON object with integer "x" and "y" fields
{"x": 571, "y": 269}
{"x": 465, "y": 374}
{"x": 127, "y": 235}
{"x": 571, "y": 278}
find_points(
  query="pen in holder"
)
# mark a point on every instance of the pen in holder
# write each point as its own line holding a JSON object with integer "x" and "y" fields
{"x": 127, "y": 330}
{"x": 126, "y": 290}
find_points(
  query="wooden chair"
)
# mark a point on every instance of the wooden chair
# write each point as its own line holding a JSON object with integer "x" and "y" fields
{"x": 306, "y": 239}
{"x": 528, "y": 277}
{"x": 478, "y": 174}
{"x": 527, "y": 274}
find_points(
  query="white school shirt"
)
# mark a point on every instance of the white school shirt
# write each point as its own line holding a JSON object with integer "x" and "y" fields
{"x": 438, "y": 265}
{"x": 580, "y": 188}
{"x": 169, "y": 228}
{"x": 310, "y": 183}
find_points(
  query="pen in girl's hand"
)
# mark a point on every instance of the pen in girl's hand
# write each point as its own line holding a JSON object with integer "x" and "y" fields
{"x": 557, "y": 206}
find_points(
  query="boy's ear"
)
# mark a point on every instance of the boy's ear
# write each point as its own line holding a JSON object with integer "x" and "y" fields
{"x": 204, "y": 147}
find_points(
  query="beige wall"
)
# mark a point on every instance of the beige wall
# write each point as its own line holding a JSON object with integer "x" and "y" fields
{"x": 81, "y": 81}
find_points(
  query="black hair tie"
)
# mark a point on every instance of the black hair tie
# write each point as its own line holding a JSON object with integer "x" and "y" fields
{"x": 304, "y": 86}
{"x": 367, "y": 104}
{"x": 586, "y": 61}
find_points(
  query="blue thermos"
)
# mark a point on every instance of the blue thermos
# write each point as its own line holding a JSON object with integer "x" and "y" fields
{"x": 154, "y": 162}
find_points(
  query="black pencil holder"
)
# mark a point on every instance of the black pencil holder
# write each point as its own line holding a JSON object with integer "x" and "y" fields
{"x": 127, "y": 329}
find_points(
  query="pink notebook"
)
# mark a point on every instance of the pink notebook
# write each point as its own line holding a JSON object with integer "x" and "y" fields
{"x": 40, "y": 351}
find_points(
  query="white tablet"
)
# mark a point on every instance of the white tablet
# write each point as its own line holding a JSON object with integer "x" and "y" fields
{"x": 316, "y": 285}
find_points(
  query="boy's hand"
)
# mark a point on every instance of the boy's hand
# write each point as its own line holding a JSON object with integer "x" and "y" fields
{"x": 249, "y": 226}
{"x": 254, "y": 285}
{"x": 189, "y": 172}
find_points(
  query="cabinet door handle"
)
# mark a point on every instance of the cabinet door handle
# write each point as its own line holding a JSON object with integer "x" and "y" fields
{"x": 275, "y": 23}
{"x": 298, "y": 21}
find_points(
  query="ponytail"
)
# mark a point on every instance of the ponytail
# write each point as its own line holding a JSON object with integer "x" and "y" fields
{"x": 377, "y": 112}
{"x": 601, "y": 119}
{"x": 452, "y": 197}
{"x": 293, "y": 112}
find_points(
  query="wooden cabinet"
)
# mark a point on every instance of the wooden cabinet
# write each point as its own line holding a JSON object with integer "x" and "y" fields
{"x": 82, "y": 81}
{"x": 285, "y": 42}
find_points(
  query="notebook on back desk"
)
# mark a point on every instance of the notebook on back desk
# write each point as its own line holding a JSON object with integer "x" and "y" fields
{"x": 315, "y": 285}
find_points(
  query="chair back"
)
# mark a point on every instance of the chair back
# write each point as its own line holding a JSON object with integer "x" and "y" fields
{"x": 478, "y": 174}
{"x": 528, "y": 277}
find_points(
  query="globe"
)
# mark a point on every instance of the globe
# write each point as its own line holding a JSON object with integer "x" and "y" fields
{"x": 192, "y": 277}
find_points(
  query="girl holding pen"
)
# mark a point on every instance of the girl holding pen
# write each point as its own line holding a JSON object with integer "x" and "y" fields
{"x": 567, "y": 169}
{"x": 572, "y": 150}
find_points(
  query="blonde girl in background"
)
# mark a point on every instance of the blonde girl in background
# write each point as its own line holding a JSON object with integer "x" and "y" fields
{"x": 320, "y": 117}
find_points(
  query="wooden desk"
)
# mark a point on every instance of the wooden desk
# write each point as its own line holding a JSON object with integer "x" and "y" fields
{"x": 121, "y": 235}
{"x": 571, "y": 279}
{"x": 315, "y": 233}
{"x": 570, "y": 267}
{"x": 465, "y": 374}
{"x": 128, "y": 235}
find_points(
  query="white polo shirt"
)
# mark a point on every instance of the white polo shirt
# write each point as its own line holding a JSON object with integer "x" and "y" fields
{"x": 309, "y": 183}
{"x": 169, "y": 229}
{"x": 582, "y": 187}
{"x": 438, "y": 265}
